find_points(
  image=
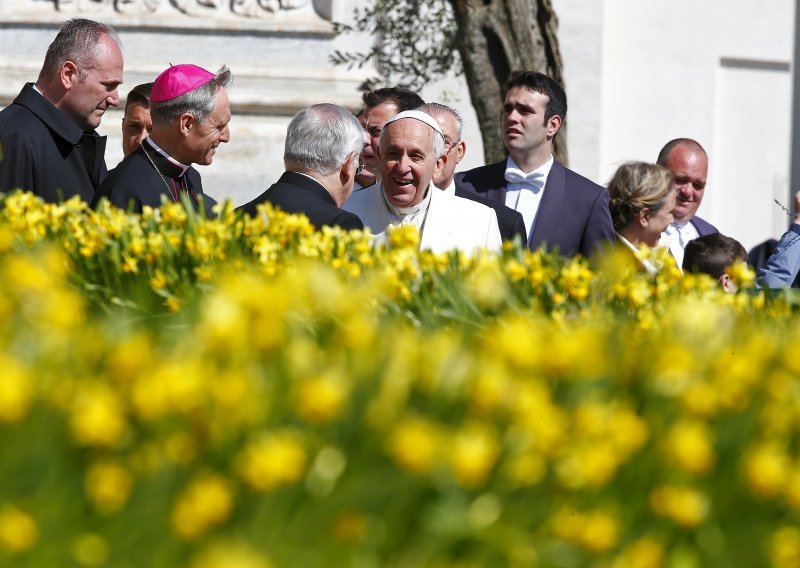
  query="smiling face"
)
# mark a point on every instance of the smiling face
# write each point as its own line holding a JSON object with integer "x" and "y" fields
{"x": 689, "y": 165}
{"x": 408, "y": 161}
{"x": 136, "y": 126}
{"x": 203, "y": 137}
{"x": 92, "y": 88}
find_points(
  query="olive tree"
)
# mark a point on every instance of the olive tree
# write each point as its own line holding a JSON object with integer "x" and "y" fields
{"x": 419, "y": 41}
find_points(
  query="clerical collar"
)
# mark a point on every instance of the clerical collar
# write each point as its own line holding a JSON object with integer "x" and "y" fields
{"x": 402, "y": 212}
{"x": 169, "y": 158}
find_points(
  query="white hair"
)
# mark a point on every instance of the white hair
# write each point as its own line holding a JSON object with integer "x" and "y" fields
{"x": 321, "y": 137}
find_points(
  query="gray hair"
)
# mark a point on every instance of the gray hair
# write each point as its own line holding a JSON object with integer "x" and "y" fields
{"x": 321, "y": 137}
{"x": 437, "y": 138}
{"x": 438, "y": 109}
{"x": 76, "y": 41}
{"x": 198, "y": 102}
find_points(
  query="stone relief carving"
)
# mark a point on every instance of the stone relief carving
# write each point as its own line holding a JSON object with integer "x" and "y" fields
{"x": 261, "y": 8}
{"x": 194, "y": 8}
{"x": 136, "y": 7}
{"x": 87, "y": 6}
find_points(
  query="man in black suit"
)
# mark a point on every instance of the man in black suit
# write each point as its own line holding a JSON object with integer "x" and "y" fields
{"x": 688, "y": 162}
{"x": 48, "y": 141}
{"x": 561, "y": 209}
{"x": 322, "y": 156}
{"x": 509, "y": 221}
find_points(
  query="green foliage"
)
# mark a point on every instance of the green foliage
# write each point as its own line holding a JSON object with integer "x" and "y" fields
{"x": 415, "y": 42}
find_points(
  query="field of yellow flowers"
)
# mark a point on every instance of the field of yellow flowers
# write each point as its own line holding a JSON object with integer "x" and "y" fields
{"x": 249, "y": 393}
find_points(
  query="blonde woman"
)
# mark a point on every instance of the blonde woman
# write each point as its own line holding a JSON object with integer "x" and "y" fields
{"x": 642, "y": 197}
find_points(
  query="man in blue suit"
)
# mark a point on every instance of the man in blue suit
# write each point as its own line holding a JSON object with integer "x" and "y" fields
{"x": 561, "y": 209}
{"x": 688, "y": 162}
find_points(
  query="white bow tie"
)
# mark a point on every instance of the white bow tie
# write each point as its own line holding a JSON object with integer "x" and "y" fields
{"x": 515, "y": 175}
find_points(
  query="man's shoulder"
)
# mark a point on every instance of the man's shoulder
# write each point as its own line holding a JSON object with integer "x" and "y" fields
{"x": 362, "y": 198}
{"x": 575, "y": 181}
{"x": 703, "y": 227}
{"x": 497, "y": 206}
{"x": 346, "y": 219}
{"x": 33, "y": 115}
{"x": 481, "y": 172}
{"x": 14, "y": 113}
{"x": 134, "y": 162}
{"x": 290, "y": 183}
{"x": 299, "y": 195}
{"x": 309, "y": 197}
{"x": 19, "y": 122}
{"x": 464, "y": 206}
{"x": 132, "y": 174}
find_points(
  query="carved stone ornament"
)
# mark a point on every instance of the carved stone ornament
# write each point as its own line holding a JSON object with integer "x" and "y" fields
{"x": 225, "y": 9}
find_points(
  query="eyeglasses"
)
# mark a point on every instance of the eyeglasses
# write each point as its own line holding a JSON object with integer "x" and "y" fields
{"x": 450, "y": 145}
{"x": 359, "y": 167}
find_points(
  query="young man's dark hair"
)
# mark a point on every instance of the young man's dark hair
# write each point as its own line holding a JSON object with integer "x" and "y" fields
{"x": 139, "y": 95}
{"x": 712, "y": 254}
{"x": 541, "y": 83}
{"x": 402, "y": 98}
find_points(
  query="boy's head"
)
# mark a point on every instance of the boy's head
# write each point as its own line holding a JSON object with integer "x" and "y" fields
{"x": 712, "y": 254}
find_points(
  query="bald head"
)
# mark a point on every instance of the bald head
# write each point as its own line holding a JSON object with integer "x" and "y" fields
{"x": 688, "y": 162}
{"x": 689, "y": 143}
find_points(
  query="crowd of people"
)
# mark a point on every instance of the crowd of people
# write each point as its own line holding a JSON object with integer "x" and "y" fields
{"x": 393, "y": 163}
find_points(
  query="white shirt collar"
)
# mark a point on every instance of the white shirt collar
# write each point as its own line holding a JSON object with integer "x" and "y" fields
{"x": 543, "y": 171}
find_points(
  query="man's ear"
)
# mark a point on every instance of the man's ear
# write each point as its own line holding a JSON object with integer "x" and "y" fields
{"x": 461, "y": 150}
{"x": 186, "y": 123}
{"x": 553, "y": 125}
{"x": 348, "y": 169}
{"x": 69, "y": 74}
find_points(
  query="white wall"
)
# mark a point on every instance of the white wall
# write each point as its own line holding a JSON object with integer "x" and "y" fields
{"x": 580, "y": 32}
{"x": 716, "y": 71}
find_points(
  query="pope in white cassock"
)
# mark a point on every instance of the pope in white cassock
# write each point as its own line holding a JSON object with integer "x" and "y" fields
{"x": 411, "y": 151}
